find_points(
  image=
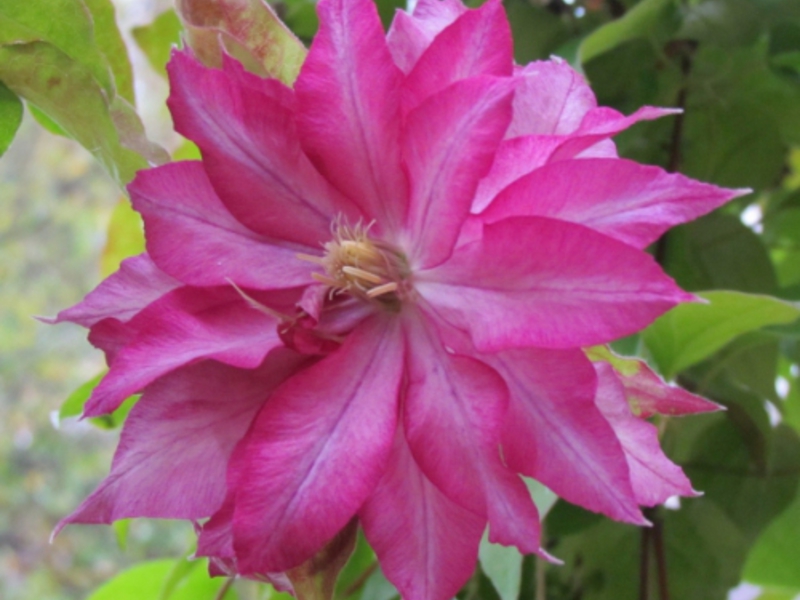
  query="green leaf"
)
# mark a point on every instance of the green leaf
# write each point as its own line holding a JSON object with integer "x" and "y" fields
{"x": 773, "y": 560}
{"x": 141, "y": 582}
{"x": 73, "y": 406}
{"x": 10, "y": 117}
{"x": 69, "y": 94}
{"x": 157, "y": 39}
{"x": 181, "y": 569}
{"x": 146, "y": 581}
{"x": 691, "y": 332}
{"x": 503, "y": 566}
{"x": 121, "y": 528}
{"x": 650, "y": 19}
{"x": 65, "y": 24}
{"x": 719, "y": 252}
{"x": 109, "y": 42}
{"x": 249, "y": 30}
{"x": 124, "y": 237}
{"x": 536, "y": 31}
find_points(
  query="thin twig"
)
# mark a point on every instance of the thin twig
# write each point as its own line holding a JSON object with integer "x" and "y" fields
{"x": 644, "y": 565}
{"x": 361, "y": 580}
{"x": 224, "y": 589}
{"x": 661, "y": 558}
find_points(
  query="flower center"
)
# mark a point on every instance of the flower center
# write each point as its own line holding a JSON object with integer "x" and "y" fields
{"x": 356, "y": 264}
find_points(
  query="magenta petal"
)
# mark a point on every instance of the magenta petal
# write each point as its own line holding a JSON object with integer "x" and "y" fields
{"x": 455, "y": 406}
{"x": 317, "y": 450}
{"x": 137, "y": 283}
{"x": 477, "y": 43}
{"x": 631, "y": 202}
{"x": 174, "y": 449}
{"x": 427, "y": 544}
{"x": 192, "y": 236}
{"x": 654, "y": 477}
{"x": 245, "y": 128}
{"x": 449, "y": 144}
{"x": 410, "y": 35}
{"x": 349, "y": 112}
{"x": 522, "y": 155}
{"x": 551, "y": 99}
{"x": 554, "y": 433}
{"x": 547, "y": 283}
{"x": 184, "y": 326}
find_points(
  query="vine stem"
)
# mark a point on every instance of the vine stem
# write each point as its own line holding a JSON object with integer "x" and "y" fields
{"x": 224, "y": 589}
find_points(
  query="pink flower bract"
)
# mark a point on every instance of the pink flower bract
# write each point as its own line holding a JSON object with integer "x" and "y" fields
{"x": 370, "y": 297}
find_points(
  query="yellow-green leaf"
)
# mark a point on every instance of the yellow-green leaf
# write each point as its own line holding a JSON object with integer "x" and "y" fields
{"x": 157, "y": 39}
{"x": 10, "y": 117}
{"x": 125, "y": 237}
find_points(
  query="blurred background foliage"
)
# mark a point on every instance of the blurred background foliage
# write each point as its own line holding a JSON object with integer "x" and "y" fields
{"x": 83, "y": 72}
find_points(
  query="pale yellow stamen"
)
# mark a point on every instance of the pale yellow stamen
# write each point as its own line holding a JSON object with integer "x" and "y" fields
{"x": 386, "y": 288}
{"x": 356, "y": 264}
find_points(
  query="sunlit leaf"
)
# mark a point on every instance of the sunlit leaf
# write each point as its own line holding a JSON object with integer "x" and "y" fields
{"x": 140, "y": 582}
{"x": 109, "y": 42}
{"x": 249, "y": 30}
{"x": 65, "y": 24}
{"x": 124, "y": 237}
{"x": 73, "y": 406}
{"x": 158, "y": 38}
{"x": 68, "y": 93}
{"x": 503, "y": 567}
{"x": 691, "y": 332}
{"x": 10, "y": 117}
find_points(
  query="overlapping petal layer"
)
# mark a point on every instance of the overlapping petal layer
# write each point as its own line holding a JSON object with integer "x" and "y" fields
{"x": 370, "y": 299}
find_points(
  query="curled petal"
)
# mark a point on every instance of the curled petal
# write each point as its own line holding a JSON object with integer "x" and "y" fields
{"x": 184, "y": 326}
{"x": 654, "y": 478}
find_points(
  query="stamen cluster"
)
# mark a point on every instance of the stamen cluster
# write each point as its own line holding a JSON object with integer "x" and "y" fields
{"x": 356, "y": 264}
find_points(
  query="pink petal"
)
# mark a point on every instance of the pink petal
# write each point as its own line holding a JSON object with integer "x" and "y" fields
{"x": 244, "y": 126}
{"x": 522, "y": 155}
{"x": 409, "y": 35}
{"x": 348, "y": 109}
{"x": 184, "y": 326}
{"x": 426, "y": 544}
{"x": 192, "y": 236}
{"x": 137, "y": 283}
{"x": 548, "y": 283}
{"x": 455, "y": 406}
{"x": 449, "y": 144}
{"x": 175, "y": 445}
{"x": 552, "y": 98}
{"x": 554, "y": 433}
{"x": 477, "y": 43}
{"x": 600, "y": 124}
{"x": 654, "y": 477}
{"x": 317, "y": 450}
{"x": 631, "y": 202}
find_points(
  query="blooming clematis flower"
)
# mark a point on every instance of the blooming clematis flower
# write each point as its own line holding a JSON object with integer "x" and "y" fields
{"x": 369, "y": 299}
